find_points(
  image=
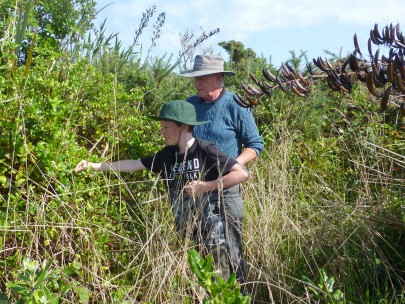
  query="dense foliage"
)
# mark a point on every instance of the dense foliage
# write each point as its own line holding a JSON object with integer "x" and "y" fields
{"x": 324, "y": 208}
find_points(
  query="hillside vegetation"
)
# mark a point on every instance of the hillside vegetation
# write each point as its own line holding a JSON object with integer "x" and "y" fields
{"x": 324, "y": 208}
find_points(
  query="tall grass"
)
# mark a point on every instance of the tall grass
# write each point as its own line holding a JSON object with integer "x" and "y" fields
{"x": 332, "y": 203}
{"x": 122, "y": 247}
{"x": 302, "y": 217}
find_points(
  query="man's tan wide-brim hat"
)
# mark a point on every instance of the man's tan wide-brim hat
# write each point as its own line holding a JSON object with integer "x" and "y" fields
{"x": 207, "y": 65}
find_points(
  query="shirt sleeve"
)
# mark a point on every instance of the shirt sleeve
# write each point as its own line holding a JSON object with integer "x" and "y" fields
{"x": 156, "y": 162}
{"x": 152, "y": 163}
{"x": 249, "y": 133}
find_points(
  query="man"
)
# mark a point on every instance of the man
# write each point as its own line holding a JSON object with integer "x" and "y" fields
{"x": 194, "y": 171}
{"x": 233, "y": 130}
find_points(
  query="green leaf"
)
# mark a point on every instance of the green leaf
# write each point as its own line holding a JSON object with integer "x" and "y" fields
{"x": 24, "y": 278}
{"x": 18, "y": 288}
{"x": 338, "y": 295}
{"x": 31, "y": 266}
{"x": 77, "y": 265}
{"x": 83, "y": 292}
{"x": 18, "y": 182}
{"x": 53, "y": 298}
{"x": 69, "y": 271}
{"x": 247, "y": 300}
{"x": 40, "y": 296}
{"x": 4, "y": 299}
{"x": 311, "y": 286}
{"x": 42, "y": 275}
{"x": 66, "y": 288}
{"x": 207, "y": 264}
{"x": 329, "y": 284}
{"x": 220, "y": 280}
{"x": 40, "y": 278}
{"x": 228, "y": 295}
{"x": 194, "y": 260}
{"x": 232, "y": 279}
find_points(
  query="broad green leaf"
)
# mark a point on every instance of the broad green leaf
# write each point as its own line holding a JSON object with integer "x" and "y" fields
{"x": 69, "y": 270}
{"x": 83, "y": 292}
{"x": 338, "y": 295}
{"x": 194, "y": 260}
{"x": 66, "y": 288}
{"x": 207, "y": 264}
{"x": 4, "y": 299}
{"x": 42, "y": 274}
{"x": 232, "y": 279}
{"x": 29, "y": 265}
{"x": 77, "y": 265}
{"x": 40, "y": 296}
{"x": 53, "y": 298}
{"x": 329, "y": 284}
{"x": 18, "y": 288}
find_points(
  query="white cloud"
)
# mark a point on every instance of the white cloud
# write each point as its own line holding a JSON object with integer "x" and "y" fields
{"x": 258, "y": 23}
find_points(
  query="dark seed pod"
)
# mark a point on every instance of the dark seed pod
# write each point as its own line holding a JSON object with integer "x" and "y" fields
{"x": 385, "y": 98}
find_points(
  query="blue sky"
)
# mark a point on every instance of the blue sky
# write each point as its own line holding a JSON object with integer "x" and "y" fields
{"x": 269, "y": 27}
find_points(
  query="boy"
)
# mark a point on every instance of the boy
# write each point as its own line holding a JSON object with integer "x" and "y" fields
{"x": 194, "y": 172}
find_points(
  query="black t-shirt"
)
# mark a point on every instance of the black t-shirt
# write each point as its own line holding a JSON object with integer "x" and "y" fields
{"x": 203, "y": 161}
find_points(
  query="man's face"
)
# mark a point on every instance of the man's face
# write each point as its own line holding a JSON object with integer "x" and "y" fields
{"x": 207, "y": 85}
{"x": 170, "y": 132}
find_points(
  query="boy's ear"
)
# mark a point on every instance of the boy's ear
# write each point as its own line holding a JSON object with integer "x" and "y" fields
{"x": 185, "y": 127}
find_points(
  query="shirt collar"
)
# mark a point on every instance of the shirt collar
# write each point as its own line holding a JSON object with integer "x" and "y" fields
{"x": 189, "y": 150}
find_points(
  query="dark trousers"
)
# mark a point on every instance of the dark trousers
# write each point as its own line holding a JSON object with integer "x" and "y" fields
{"x": 231, "y": 210}
{"x": 201, "y": 221}
{"x": 214, "y": 223}
{"x": 233, "y": 214}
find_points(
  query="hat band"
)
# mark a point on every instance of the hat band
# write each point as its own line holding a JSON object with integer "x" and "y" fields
{"x": 205, "y": 68}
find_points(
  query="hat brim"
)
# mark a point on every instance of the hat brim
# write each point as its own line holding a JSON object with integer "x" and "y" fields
{"x": 191, "y": 73}
{"x": 190, "y": 123}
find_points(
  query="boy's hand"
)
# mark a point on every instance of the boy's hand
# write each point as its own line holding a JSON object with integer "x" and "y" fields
{"x": 81, "y": 166}
{"x": 197, "y": 188}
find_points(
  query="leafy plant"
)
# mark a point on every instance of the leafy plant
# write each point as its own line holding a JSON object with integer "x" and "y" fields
{"x": 219, "y": 290}
{"x": 324, "y": 291}
{"x": 34, "y": 285}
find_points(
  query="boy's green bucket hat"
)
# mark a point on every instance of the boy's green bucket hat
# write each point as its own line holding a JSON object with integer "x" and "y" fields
{"x": 179, "y": 111}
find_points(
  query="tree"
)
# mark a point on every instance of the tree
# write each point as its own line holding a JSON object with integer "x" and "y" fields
{"x": 57, "y": 23}
{"x": 236, "y": 50}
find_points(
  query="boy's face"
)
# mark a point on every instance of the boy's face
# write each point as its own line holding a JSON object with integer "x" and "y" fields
{"x": 170, "y": 132}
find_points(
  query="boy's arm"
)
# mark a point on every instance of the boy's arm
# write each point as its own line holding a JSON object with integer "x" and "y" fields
{"x": 127, "y": 165}
{"x": 236, "y": 175}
